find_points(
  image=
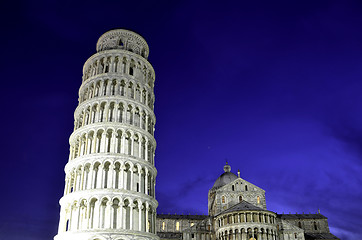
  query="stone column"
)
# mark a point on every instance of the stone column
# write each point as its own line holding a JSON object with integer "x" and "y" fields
{"x": 75, "y": 183}
{"x": 71, "y": 220}
{"x": 121, "y": 177}
{"x": 123, "y": 144}
{"x": 131, "y": 171}
{"x": 113, "y": 147}
{"x": 82, "y": 172}
{"x": 109, "y": 87}
{"x": 120, "y": 218}
{"x": 140, "y": 207}
{"x": 99, "y": 176}
{"x": 110, "y": 176}
{"x": 146, "y": 149}
{"x": 108, "y": 215}
{"x": 103, "y": 142}
{"x": 90, "y": 215}
{"x": 131, "y": 206}
{"x": 139, "y": 180}
{"x": 116, "y": 91}
{"x": 96, "y": 219}
{"x": 147, "y": 221}
{"x": 132, "y": 143}
{"x": 66, "y": 185}
{"x": 89, "y": 145}
{"x": 98, "y": 110}
{"x": 91, "y": 177}
{"x": 77, "y": 216}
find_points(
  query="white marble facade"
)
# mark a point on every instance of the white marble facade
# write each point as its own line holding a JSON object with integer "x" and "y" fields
{"x": 110, "y": 176}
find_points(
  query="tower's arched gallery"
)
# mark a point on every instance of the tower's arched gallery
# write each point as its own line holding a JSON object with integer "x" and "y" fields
{"x": 110, "y": 176}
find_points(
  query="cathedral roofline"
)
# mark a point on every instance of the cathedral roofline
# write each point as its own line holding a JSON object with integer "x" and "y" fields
{"x": 243, "y": 206}
{"x": 301, "y": 216}
{"x": 324, "y": 236}
{"x": 182, "y": 216}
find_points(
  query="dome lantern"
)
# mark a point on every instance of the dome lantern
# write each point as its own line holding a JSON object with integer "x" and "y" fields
{"x": 227, "y": 167}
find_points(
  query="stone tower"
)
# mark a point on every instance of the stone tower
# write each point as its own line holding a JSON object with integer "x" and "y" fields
{"x": 110, "y": 176}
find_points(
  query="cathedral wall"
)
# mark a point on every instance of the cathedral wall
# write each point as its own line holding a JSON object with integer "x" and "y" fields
{"x": 233, "y": 193}
{"x": 311, "y": 225}
{"x": 288, "y": 231}
{"x": 174, "y": 224}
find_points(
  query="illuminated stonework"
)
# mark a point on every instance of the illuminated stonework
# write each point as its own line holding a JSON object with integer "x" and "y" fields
{"x": 110, "y": 176}
{"x": 237, "y": 211}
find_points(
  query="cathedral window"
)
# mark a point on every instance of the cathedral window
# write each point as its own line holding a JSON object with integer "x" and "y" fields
{"x": 163, "y": 226}
{"x": 299, "y": 224}
{"x": 223, "y": 199}
{"x": 295, "y": 235}
{"x": 233, "y": 188}
{"x": 177, "y": 226}
{"x": 120, "y": 43}
{"x": 192, "y": 235}
{"x": 258, "y": 200}
{"x": 315, "y": 226}
{"x": 131, "y": 71}
{"x": 240, "y": 198}
{"x": 246, "y": 188}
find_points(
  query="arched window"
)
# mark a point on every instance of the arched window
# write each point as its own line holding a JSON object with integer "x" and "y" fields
{"x": 315, "y": 226}
{"x": 299, "y": 224}
{"x": 163, "y": 226}
{"x": 240, "y": 198}
{"x": 246, "y": 188}
{"x": 223, "y": 199}
{"x": 233, "y": 188}
{"x": 177, "y": 226}
{"x": 67, "y": 225}
{"x": 258, "y": 199}
{"x": 120, "y": 43}
{"x": 295, "y": 235}
{"x": 131, "y": 71}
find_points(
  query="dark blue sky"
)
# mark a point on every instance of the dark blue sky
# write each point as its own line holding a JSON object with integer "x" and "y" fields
{"x": 272, "y": 86}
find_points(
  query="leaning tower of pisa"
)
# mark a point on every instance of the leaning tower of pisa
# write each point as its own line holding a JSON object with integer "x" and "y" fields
{"x": 110, "y": 176}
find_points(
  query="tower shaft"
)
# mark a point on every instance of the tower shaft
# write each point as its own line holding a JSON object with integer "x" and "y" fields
{"x": 110, "y": 176}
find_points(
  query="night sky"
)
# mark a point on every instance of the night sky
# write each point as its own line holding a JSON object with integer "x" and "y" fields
{"x": 274, "y": 87}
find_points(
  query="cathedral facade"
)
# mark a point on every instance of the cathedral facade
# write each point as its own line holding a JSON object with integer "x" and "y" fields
{"x": 237, "y": 211}
{"x": 110, "y": 176}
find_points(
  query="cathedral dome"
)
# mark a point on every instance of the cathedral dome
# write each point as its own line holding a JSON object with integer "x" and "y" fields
{"x": 225, "y": 178}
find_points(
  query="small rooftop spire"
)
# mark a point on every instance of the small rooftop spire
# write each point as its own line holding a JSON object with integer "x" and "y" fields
{"x": 227, "y": 167}
{"x": 238, "y": 173}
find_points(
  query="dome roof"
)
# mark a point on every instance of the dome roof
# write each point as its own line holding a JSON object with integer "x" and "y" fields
{"x": 225, "y": 178}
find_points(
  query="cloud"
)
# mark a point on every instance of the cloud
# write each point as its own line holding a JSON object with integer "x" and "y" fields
{"x": 349, "y": 135}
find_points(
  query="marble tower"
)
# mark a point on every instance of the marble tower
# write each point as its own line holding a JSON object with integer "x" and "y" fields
{"x": 110, "y": 176}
